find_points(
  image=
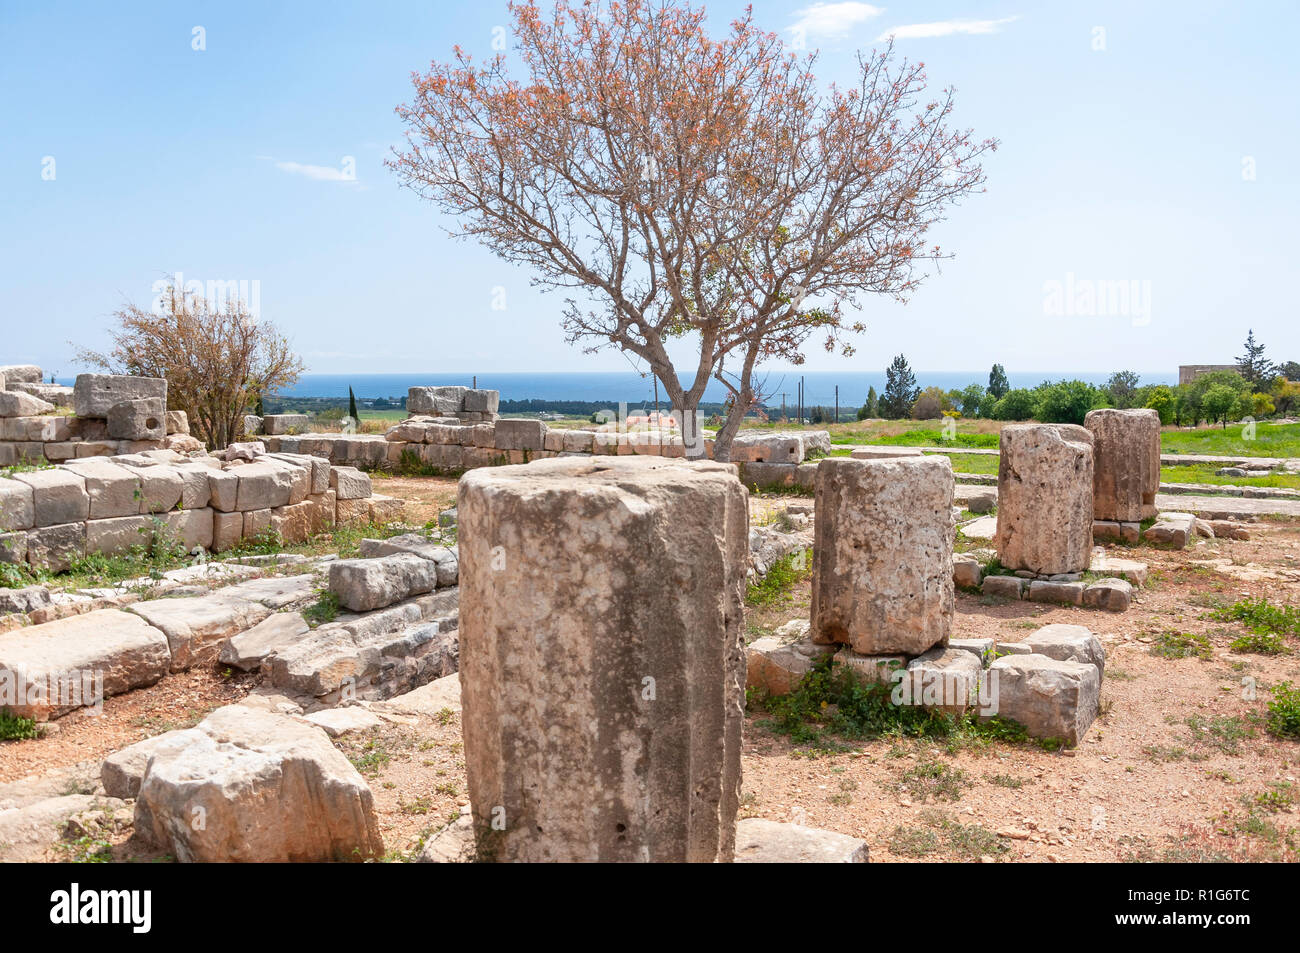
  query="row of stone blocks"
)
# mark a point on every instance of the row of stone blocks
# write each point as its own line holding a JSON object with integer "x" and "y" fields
{"x": 602, "y": 715}
{"x": 1056, "y": 480}
{"x": 50, "y": 517}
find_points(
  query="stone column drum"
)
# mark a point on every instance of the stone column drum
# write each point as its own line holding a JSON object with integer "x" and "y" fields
{"x": 602, "y": 664}
{"x": 882, "y": 556}
{"x": 1126, "y": 463}
{"x": 1045, "y": 498}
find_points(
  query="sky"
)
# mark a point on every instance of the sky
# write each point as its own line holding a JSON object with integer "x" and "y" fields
{"x": 1145, "y": 146}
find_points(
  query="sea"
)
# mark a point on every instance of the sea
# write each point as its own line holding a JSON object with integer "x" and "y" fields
{"x": 615, "y": 386}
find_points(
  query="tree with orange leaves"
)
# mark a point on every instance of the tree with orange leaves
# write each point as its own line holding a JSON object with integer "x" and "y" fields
{"x": 690, "y": 187}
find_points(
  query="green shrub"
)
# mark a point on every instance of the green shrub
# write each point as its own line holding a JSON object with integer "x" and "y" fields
{"x": 1018, "y": 404}
{"x": 1261, "y": 616}
{"x": 14, "y": 728}
{"x": 1283, "y": 718}
{"x": 1068, "y": 402}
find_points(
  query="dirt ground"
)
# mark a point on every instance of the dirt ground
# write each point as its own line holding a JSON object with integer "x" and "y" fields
{"x": 1177, "y": 768}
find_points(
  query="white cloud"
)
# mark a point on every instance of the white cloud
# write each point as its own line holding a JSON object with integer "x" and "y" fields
{"x": 832, "y": 19}
{"x": 914, "y": 31}
{"x": 321, "y": 173}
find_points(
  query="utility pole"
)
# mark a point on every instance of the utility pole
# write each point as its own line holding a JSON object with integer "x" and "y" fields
{"x": 784, "y": 416}
{"x": 656, "y": 380}
{"x": 475, "y": 382}
{"x": 837, "y": 403}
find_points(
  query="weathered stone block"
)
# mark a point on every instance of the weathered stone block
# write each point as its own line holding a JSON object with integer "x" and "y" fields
{"x": 514, "y": 434}
{"x": 113, "y": 490}
{"x": 1051, "y": 698}
{"x": 1064, "y": 642}
{"x": 944, "y": 679}
{"x": 273, "y": 789}
{"x": 263, "y": 485}
{"x": 1112, "y": 594}
{"x": 178, "y": 422}
{"x": 435, "y": 400}
{"x": 15, "y": 403}
{"x": 1063, "y": 593}
{"x": 195, "y": 626}
{"x": 58, "y": 496}
{"x": 1126, "y": 463}
{"x": 882, "y": 556}
{"x": 1171, "y": 531}
{"x": 350, "y": 483}
{"x": 1045, "y": 509}
{"x": 966, "y": 571}
{"x": 760, "y": 841}
{"x": 20, "y": 374}
{"x": 588, "y": 640}
{"x": 1004, "y": 587}
{"x": 116, "y": 650}
{"x": 776, "y": 664}
{"x": 365, "y": 584}
{"x": 161, "y": 488}
{"x": 142, "y": 419}
{"x": 276, "y": 424}
{"x": 17, "y": 509}
{"x": 95, "y": 394}
{"x": 481, "y": 401}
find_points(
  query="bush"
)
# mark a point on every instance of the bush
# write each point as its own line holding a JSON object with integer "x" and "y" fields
{"x": 1161, "y": 400}
{"x": 1261, "y": 405}
{"x": 1018, "y": 404}
{"x": 1284, "y": 711}
{"x": 14, "y": 728}
{"x": 1068, "y": 402}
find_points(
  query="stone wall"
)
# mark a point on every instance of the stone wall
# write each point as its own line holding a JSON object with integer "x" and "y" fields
{"x": 103, "y": 415}
{"x": 458, "y": 443}
{"x": 52, "y": 516}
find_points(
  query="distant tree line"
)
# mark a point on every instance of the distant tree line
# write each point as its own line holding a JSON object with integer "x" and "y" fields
{"x": 1257, "y": 389}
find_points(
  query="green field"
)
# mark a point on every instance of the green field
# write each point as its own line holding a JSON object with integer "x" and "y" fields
{"x": 1271, "y": 440}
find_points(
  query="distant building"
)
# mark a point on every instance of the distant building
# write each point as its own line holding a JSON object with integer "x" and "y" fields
{"x": 1189, "y": 372}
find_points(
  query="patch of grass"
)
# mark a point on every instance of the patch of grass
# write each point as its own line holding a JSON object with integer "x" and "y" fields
{"x": 934, "y": 779}
{"x": 1208, "y": 474}
{"x": 1173, "y": 645}
{"x": 1224, "y": 733}
{"x": 781, "y": 578}
{"x": 913, "y": 842}
{"x": 371, "y": 759}
{"x": 1283, "y": 719}
{"x": 1006, "y": 781}
{"x": 1258, "y": 643}
{"x": 1281, "y": 796}
{"x": 16, "y": 728}
{"x": 324, "y": 609}
{"x": 1271, "y": 440}
{"x": 1261, "y": 616}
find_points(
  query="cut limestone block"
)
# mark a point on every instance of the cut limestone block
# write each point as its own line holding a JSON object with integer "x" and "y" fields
{"x": 196, "y": 626}
{"x": 520, "y": 434}
{"x": 1064, "y": 642}
{"x": 365, "y": 584}
{"x": 161, "y": 487}
{"x": 1126, "y": 463}
{"x": 944, "y": 678}
{"x": 123, "y": 770}
{"x": 1005, "y": 587}
{"x": 882, "y": 558}
{"x": 1111, "y": 594}
{"x": 776, "y": 664}
{"x": 350, "y": 483}
{"x": 75, "y": 662}
{"x": 118, "y": 535}
{"x": 21, "y": 374}
{"x": 263, "y": 485}
{"x": 564, "y": 747}
{"x": 14, "y": 403}
{"x": 1045, "y": 498}
{"x": 1171, "y": 530}
{"x": 482, "y": 401}
{"x": 966, "y": 571}
{"x": 1130, "y": 569}
{"x": 113, "y": 490}
{"x": 435, "y": 400}
{"x": 247, "y": 650}
{"x": 1062, "y": 593}
{"x": 271, "y": 788}
{"x": 17, "y": 510}
{"x": 94, "y": 395}
{"x": 56, "y": 548}
{"x": 141, "y": 419}
{"x": 58, "y": 496}
{"x": 276, "y": 424}
{"x": 1109, "y": 531}
{"x": 419, "y": 545}
{"x": 1050, "y": 698}
{"x": 760, "y": 841}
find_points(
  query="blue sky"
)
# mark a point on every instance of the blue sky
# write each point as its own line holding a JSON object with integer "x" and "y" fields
{"x": 1127, "y": 155}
